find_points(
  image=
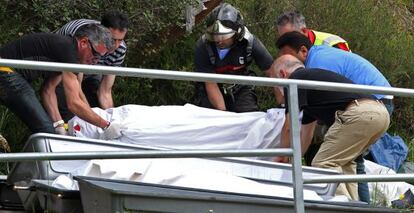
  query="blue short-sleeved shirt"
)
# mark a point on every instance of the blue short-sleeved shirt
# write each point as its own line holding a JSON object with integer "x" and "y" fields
{"x": 350, "y": 65}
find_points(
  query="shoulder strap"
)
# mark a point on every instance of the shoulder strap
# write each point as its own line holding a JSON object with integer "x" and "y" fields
{"x": 209, "y": 50}
{"x": 249, "y": 49}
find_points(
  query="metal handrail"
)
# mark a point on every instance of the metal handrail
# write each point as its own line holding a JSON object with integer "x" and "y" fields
{"x": 291, "y": 84}
{"x": 192, "y": 76}
{"x": 359, "y": 178}
{"x": 27, "y": 156}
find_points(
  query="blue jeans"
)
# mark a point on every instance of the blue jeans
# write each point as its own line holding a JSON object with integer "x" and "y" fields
{"x": 388, "y": 103}
{"x": 19, "y": 97}
{"x": 363, "y": 190}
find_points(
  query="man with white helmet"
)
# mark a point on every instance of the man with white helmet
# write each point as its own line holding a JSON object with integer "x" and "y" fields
{"x": 227, "y": 47}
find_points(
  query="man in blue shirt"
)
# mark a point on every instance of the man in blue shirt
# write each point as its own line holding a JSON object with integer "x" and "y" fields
{"x": 347, "y": 64}
{"x": 355, "y": 120}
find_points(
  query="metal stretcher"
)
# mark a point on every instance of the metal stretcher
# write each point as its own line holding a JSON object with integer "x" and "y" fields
{"x": 34, "y": 179}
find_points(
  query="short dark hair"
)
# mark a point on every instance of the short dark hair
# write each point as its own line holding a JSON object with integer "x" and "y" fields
{"x": 293, "y": 39}
{"x": 115, "y": 19}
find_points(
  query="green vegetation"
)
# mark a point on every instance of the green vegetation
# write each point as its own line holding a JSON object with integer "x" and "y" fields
{"x": 381, "y": 31}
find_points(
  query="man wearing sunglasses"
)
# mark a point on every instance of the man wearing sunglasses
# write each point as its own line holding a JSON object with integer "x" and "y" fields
{"x": 18, "y": 95}
{"x": 98, "y": 88}
{"x": 227, "y": 47}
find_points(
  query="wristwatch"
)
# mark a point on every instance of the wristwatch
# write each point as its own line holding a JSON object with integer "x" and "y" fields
{"x": 58, "y": 123}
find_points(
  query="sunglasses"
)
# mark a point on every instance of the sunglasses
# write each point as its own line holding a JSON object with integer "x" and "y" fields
{"x": 95, "y": 53}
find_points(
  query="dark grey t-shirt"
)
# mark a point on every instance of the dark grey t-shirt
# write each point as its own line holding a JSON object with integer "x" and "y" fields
{"x": 41, "y": 47}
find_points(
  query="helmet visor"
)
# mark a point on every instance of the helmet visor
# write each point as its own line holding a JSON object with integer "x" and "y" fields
{"x": 218, "y": 31}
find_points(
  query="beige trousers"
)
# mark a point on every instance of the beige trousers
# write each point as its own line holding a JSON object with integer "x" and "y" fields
{"x": 353, "y": 131}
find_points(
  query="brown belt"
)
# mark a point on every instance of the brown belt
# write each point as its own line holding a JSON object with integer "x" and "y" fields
{"x": 356, "y": 102}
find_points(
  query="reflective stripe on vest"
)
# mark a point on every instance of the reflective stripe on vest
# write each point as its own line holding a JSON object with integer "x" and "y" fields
{"x": 230, "y": 68}
{"x": 328, "y": 39}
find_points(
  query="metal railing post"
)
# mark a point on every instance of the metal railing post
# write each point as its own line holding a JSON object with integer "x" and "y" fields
{"x": 296, "y": 145}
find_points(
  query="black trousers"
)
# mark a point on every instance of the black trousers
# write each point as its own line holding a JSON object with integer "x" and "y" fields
{"x": 239, "y": 98}
{"x": 19, "y": 97}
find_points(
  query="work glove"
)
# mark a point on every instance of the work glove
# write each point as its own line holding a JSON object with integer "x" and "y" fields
{"x": 59, "y": 127}
{"x": 61, "y": 130}
{"x": 113, "y": 131}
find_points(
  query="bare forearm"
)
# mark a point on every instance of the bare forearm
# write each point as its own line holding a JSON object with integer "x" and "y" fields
{"x": 215, "y": 97}
{"x": 50, "y": 104}
{"x": 79, "y": 77}
{"x": 278, "y": 92}
{"x": 105, "y": 100}
{"x": 284, "y": 141}
{"x": 105, "y": 92}
{"x": 285, "y": 134}
{"x": 83, "y": 98}
{"x": 83, "y": 111}
{"x": 49, "y": 99}
{"x": 217, "y": 102}
{"x": 76, "y": 104}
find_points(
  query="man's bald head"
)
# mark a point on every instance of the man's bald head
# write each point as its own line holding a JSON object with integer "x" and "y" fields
{"x": 283, "y": 66}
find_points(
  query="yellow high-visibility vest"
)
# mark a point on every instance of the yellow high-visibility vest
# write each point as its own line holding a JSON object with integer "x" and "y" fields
{"x": 328, "y": 39}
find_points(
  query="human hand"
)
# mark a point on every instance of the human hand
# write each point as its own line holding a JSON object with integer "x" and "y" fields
{"x": 281, "y": 159}
{"x": 61, "y": 130}
{"x": 113, "y": 131}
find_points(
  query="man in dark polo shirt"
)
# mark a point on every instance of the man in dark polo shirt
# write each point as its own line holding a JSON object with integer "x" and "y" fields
{"x": 18, "y": 95}
{"x": 355, "y": 120}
